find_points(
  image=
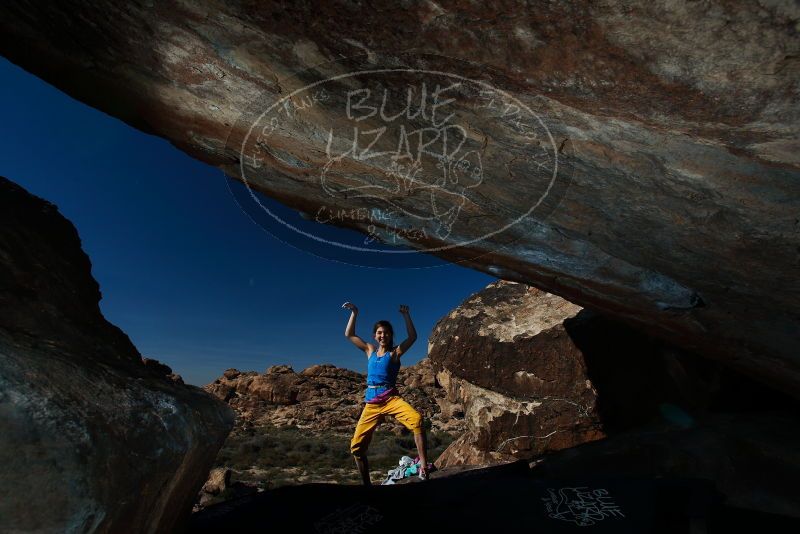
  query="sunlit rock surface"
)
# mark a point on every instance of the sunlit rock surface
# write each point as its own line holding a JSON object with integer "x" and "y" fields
{"x": 92, "y": 438}
{"x": 325, "y": 397}
{"x": 674, "y": 128}
{"x": 506, "y": 360}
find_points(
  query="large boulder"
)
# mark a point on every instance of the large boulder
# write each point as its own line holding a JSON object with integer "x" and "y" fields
{"x": 505, "y": 358}
{"x": 94, "y": 439}
{"x": 668, "y": 132}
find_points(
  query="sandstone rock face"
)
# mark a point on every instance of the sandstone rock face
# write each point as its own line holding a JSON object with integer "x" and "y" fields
{"x": 325, "y": 397}
{"x": 505, "y": 357}
{"x": 93, "y": 439}
{"x": 464, "y": 452}
{"x": 423, "y": 391}
{"x": 674, "y": 129}
{"x": 321, "y": 396}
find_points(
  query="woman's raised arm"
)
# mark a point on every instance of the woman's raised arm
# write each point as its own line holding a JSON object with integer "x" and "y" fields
{"x": 350, "y": 329}
{"x": 412, "y": 332}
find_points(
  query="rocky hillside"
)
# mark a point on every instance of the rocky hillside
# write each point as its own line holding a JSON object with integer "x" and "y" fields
{"x": 295, "y": 428}
{"x": 325, "y": 398}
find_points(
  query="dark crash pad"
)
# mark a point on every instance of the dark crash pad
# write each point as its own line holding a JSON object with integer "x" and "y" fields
{"x": 503, "y": 497}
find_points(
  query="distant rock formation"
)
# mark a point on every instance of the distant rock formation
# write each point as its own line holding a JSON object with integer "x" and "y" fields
{"x": 94, "y": 438}
{"x": 324, "y": 397}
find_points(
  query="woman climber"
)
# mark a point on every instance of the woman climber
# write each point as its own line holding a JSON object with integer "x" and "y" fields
{"x": 382, "y": 398}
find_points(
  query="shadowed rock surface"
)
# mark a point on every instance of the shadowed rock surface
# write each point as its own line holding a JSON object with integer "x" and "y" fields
{"x": 94, "y": 439}
{"x": 674, "y": 128}
{"x": 752, "y": 458}
{"x": 508, "y": 498}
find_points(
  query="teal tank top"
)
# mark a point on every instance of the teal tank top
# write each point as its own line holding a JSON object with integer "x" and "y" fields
{"x": 381, "y": 371}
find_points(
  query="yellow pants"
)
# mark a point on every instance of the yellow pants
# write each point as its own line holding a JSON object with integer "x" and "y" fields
{"x": 374, "y": 413}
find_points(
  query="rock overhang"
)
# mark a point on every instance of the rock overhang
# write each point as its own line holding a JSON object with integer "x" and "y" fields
{"x": 681, "y": 211}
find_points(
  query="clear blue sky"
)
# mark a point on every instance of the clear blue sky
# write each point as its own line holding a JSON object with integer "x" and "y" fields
{"x": 183, "y": 271}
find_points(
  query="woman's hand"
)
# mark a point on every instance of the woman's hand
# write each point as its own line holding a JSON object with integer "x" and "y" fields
{"x": 350, "y": 306}
{"x": 403, "y": 309}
